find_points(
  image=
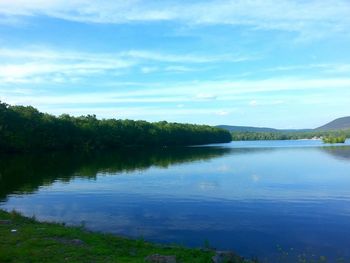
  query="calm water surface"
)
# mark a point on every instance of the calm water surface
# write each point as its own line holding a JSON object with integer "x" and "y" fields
{"x": 256, "y": 198}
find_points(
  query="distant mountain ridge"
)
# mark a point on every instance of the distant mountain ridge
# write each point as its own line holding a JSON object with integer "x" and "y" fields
{"x": 246, "y": 128}
{"x": 337, "y": 124}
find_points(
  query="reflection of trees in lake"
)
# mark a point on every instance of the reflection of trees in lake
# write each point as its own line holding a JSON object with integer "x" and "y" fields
{"x": 25, "y": 173}
{"x": 339, "y": 152}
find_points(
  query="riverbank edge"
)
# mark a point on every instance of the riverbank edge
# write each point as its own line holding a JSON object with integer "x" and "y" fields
{"x": 25, "y": 239}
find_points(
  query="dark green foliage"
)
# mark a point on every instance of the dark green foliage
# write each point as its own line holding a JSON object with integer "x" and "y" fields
{"x": 333, "y": 139}
{"x": 27, "y": 129}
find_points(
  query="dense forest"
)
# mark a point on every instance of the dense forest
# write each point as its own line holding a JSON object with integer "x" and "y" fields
{"x": 295, "y": 135}
{"x": 24, "y": 128}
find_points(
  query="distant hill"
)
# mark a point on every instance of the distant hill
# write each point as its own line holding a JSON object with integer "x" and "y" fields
{"x": 337, "y": 124}
{"x": 246, "y": 128}
{"x": 258, "y": 129}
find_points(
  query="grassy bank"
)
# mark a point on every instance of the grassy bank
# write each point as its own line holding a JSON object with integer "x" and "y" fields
{"x": 27, "y": 240}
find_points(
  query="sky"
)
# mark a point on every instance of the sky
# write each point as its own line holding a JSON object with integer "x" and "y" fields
{"x": 267, "y": 63}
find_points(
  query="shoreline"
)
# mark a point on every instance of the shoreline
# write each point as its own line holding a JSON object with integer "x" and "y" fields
{"x": 26, "y": 238}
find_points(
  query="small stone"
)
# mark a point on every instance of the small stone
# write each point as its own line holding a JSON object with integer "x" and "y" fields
{"x": 156, "y": 258}
{"x": 13, "y": 230}
{"x": 207, "y": 249}
{"x": 226, "y": 256}
{"x": 5, "y": 222}
{"x": 77, "y": 242}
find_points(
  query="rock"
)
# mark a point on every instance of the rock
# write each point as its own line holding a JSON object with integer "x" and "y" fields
{"x": 207, "y": 249}
{"x": 5, "y": 222}
{"x": 133, "y": 252}
{"x": 225, "y": 257}
{"x": 156, "y": 258}
{"x": 77, "y": 242}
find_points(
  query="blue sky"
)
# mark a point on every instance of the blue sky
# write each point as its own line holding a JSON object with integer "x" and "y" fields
{"x": 283, "y": 64}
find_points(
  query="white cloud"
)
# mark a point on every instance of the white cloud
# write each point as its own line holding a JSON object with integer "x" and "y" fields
{"x": 223, "y": 113}
{"x": 20, "y": 71}
{"x": 225, "y": 89}
{"x": 187, "y": 58}
{"x": 339, "y": 69}
{"x": 141, "y": 112}
{"x": 166, "y": 101}
{"x": 43, "y": 65}
{"x": 178, "y": 69}
{"x": 322, "y": 67}
{"x": 187, "y": 92}
{"x": 147, "y": 70}
{"x": 40, "y": 64}
{"x": 312, "y": 18}
{"x": 205, "y": 96}
{"x": 253, "y": 103}
{"x": 85, "y": 98}
{"x": 269, "y": 102}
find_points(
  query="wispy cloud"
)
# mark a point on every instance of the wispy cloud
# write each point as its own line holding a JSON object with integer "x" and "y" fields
{"x": 177, "y": 58}
{"x": 35, "y": 71}
{"x": 147, "y": 70}
{"x": 253, "y": 103}
{"x": 225, "y": 89}
{"x": 43, "y": 65}
{"x": 322, "y": 67}
{"x": 187, "y": 58}
{"x": 222, "y": 112}
{"x": 313, "y": 17}
{"x": 179, "y": 69}
{"x": 205, "y": 96}
{"x": 339, "y": 69}
{"x": 180, "y": 93}
{"x": 150, "y": 113}
{"x": 269, "y": 102}
{"x": 180, "y": 102}
{"x": 38, "y": 64}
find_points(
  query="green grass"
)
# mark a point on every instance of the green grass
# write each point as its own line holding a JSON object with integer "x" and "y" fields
{"x": 48, "y": 242}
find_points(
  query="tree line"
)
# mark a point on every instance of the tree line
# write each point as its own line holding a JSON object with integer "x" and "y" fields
{"x": 24, "y": 128}
{"x": 295, "y": 135}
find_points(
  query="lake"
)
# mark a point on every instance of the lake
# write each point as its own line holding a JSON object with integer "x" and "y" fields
{"x": 274, "y": 200}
